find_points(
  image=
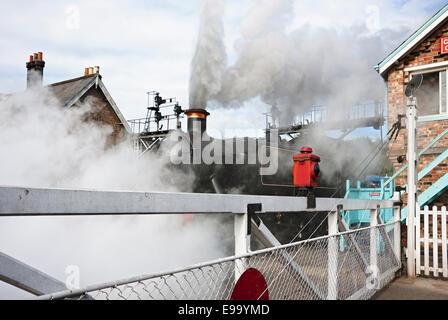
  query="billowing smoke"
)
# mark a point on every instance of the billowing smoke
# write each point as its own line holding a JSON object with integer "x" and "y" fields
{"x": 294, "y": 68}
{"x": 43, "y": 145}
{"x": 209, "y": 60}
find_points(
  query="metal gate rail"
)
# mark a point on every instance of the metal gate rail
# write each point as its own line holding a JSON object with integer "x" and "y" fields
{"x": 215, "y": 280}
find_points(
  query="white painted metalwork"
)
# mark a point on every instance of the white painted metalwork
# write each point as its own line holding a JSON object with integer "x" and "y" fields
{"x": 433, "y": 241}
{"x": 242, "y": 241}
{"x": 312, "y": 269}
{"x": 397, "y": 218}
{"x": 215, "y": 280}
{"x": 333, "y": 253}
{"x": 262, "y": 233}
{"x": 373, "y": 238}
{"x": 27, "y": 278}
{"x": 412, "y": 181}
{"x": 147, "y": 147}
{"x": 15, "y": 201}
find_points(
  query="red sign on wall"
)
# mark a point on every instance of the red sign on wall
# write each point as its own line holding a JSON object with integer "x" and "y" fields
{"x": 444, "y": 45}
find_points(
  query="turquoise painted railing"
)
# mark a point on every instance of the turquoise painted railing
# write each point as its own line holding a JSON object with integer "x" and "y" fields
{"x": 382, "y": 192}
{"x": 430, "y": 194}
{"x": 356, "y": 218}
{"x": 387, "y": 188}
{"x": 400, "y": 171}
{"x": 387, "y": 191}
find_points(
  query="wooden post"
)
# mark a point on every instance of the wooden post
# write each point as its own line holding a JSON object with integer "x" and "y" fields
{"x": 426, "y": 239}
{"x": 435, "y": 243}
{"x": 444, "y": 244}
{"x": 418, "y": 242}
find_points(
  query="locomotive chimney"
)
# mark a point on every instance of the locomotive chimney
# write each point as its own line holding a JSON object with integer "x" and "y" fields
{"x": 197, "y": 118}
{"x": 196, "y": 126}
{"x": 35, "y": 71}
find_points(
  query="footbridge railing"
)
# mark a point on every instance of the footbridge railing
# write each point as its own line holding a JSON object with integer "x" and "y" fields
{"x": 319, "y": 268}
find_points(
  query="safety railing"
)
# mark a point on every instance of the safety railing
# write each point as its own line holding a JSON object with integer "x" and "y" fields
{"x": 429, "y": 194}
{"x": 345, "y": 264}
{"x": 380, "y": 192}
{"x": 403, "y": 168}
{"x": 145, "y": 126}
{"x": 321, "y": 113}
{"x": 215, "y": 280}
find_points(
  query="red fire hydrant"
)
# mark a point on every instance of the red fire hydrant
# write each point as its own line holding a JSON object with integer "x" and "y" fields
{"x": 306, "y": 169}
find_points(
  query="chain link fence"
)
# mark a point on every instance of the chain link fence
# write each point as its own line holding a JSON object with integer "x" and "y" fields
{"x": 298, "y": 271}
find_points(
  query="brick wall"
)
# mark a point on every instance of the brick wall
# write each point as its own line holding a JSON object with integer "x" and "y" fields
{"x": 104, "y": 114}
{"x": 426, "y": 53}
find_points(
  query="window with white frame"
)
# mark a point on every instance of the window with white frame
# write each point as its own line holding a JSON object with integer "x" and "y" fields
{"x": 432, "y": 94}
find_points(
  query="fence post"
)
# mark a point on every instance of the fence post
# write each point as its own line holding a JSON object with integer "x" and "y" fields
{"x": 418, "y": 241}
{"x": 242, "y": 241}
{"x": 444, "y": 244}
{"x": 426, "y": 239}
{"x": 397, "y": 233}
{"x": 242, "y": 229}
{"x": 411, "y": 114}
{"x": 435, "y": 243}
{"x": 374, "y": 238}
{"x": 333, "y": 252}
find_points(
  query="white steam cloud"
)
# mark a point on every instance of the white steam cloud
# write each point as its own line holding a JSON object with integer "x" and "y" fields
{"x": 209, "y": 60}
{"x": 292, "y": 69}
{"x": 42, "y": 145}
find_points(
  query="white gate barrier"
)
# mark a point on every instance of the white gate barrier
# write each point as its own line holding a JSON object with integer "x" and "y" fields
{"x": 215, "y": 280}
{"x": 431, "y": 243}
{"x": 352, "y": 264}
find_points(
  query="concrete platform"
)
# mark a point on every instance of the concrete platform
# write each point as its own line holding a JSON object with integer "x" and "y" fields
{"x": 414, "y": 289}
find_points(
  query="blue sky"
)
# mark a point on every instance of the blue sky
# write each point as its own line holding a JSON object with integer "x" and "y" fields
{"x": 148, "y": 45}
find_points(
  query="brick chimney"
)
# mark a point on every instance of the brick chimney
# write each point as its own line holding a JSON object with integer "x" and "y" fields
{"x": 35, "y": 69}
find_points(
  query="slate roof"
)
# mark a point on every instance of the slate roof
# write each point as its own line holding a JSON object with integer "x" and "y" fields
{"x": 65, "y": 91}
{"x": 70, "y": 91}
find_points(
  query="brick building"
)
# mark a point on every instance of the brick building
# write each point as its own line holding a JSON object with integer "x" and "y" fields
{"x": 73, "y": 92}
{"x": 422, "y": 53}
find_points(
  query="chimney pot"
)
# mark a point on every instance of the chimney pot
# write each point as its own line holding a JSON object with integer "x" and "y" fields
{"x": 97, "y": 69}
{"x": 35, "y": 70}
{"x": 86, "y": 72}
{"x": 90, "y": 70}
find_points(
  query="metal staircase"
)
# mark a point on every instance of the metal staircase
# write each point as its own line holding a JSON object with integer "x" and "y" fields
{"x": 430, "y": 194}
{"x": 385, "y": 191}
